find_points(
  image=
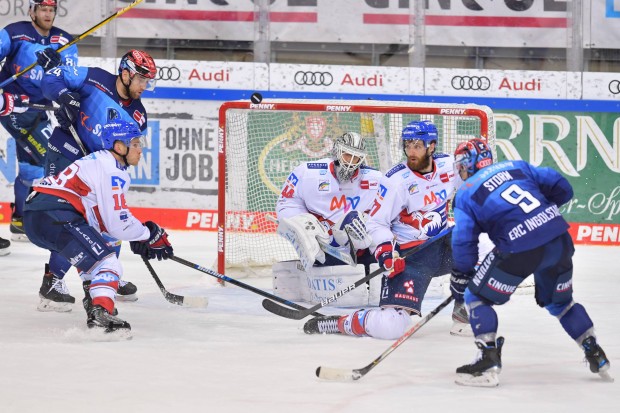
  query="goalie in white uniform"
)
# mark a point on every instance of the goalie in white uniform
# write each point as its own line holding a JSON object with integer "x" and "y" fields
{"x": 411, "y": 206}
{"x": 322, "y": 207}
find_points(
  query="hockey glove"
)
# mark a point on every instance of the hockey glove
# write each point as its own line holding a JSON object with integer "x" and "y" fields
{"x": 388, "y": 257}
{"x": 157, "y": 246}
{"x": 69, "y": 109}
{"x": 458, "y": 284}
{"x": 10, "y": 103}
{"x": 48, "y": 59}
{"x": 351, "y": 227}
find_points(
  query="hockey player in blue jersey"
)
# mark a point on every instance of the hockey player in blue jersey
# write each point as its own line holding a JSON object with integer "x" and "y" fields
{"x": 89, "y": 97}
{"x": 21, "y": 44}
{"x": 516, "y": 204}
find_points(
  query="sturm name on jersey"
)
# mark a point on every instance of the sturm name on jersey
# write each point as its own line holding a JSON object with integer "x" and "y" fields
{"x": 496, "y": 180}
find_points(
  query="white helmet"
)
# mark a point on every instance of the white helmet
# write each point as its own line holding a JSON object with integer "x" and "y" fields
{"x": 353, "y": 144}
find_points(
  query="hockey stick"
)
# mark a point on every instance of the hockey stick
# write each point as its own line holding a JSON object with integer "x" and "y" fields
{"x": 329, "y": 373}
{"x": 38, "y": 106}
{"x": 239, "y": 284}
{"x": 298, "y": 315}
{"x": 194, "y": 302}
{"x": 75, "y": 40}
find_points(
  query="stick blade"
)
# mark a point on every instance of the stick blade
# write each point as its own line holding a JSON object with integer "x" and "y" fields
{"x": 195, "y": 302}
{"x": 332, "y": 374}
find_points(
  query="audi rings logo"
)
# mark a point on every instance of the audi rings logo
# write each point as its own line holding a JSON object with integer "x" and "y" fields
{"x": 471, "y": 83}
{"x": 614, "y": 87}
{"x": 168, "y": 73}
{"x": 314, "y": 78}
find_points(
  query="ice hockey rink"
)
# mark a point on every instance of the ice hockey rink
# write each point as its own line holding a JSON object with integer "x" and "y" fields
{"x": 234, "y": 356}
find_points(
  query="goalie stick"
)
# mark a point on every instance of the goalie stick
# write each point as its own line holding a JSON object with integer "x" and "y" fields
{"x": 299, "y": 314}
{"x": 239, "y": 283}
{"x": 194, "y": 302}
{"x": 329, "y": 373}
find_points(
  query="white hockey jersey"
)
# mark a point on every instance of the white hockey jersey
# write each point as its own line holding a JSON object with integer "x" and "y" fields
{"x": 411, "y": 207}
{"x": 96, "y": 186}
{"x": 313, "y": 187}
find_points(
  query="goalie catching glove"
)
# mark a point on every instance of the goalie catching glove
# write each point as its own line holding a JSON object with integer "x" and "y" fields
{"x": 157, "y": 245}
{"x": 388, "y": 257}
{"x": 302, "y": 232}
{"x": 351, "y": 228}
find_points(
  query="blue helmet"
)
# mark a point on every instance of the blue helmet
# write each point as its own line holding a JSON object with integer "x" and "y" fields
{"x": 471, "y": 156}
{"x": 119, "y": 130}
{"x": 423, "y": 130}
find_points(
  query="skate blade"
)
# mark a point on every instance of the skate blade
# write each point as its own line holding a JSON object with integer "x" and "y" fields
{"x": 487, "y": 379}
{"x": 4, "y": 251}
{"x": 605, "y": 376}
{"x": 19, "y": 237}
{"x": 47, "y": 306}
{"x": 461, "y": 330}
{"x": 127, "y": 298}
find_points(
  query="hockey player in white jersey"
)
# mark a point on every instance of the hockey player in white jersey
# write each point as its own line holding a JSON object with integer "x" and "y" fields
{"x": 325, "y": 202}
{"x": 68, "y": 212}
{"x": 411, "y": 206}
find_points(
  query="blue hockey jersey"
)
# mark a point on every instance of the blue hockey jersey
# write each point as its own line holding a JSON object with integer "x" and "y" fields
{"x": 99, "y": 100}
{"x": 515, "y": 203}
{"x": 19, "y": 43}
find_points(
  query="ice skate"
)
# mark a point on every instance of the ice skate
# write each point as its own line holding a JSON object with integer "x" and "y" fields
{"x": 101, "y": 319}
{"x": 126, "y": 291}
{"x": 323, "y": 325}
{"x": 598, "y": 361}
{"x": 460, "y": 321}
{"x": 484, "y": 371}
{"x": 87, "y": 302}
{"x": 4, "y": 246}
{"x": 17, "y": 227}
{"x": 54, "y": 294}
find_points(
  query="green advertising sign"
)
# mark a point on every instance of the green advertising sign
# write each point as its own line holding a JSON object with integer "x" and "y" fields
{"x": 584, "y": 147}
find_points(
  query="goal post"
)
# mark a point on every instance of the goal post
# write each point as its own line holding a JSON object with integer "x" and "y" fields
{"x": 259, "y": 144}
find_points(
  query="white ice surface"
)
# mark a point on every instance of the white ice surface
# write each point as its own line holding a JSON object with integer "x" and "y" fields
{"x": 235, "y": 357}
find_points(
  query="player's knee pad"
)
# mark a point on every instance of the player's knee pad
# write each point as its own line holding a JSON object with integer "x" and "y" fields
{"x": 386, "y": 323}
{"x": 573, "y": 318}
{"x": 319, "y": 283}
{"x": 482, "y": 316}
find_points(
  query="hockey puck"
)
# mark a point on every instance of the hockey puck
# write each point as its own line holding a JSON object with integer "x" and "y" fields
{"x": 256, "y": 97}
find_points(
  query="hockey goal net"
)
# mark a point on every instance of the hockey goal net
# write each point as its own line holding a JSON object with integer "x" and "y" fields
{"x": 260, "y": 144}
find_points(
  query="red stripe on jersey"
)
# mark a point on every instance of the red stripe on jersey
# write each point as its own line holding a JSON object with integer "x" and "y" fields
{"x": 73, "y": 199}
{"x": 99, "y": 219}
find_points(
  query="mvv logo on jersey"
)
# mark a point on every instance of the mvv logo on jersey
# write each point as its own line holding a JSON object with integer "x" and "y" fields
{"x": 344, "y": 202}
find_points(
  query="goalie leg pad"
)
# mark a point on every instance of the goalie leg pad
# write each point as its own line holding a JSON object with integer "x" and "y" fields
{"x": 291, "y": 282}
{"x": 302, "y": 231}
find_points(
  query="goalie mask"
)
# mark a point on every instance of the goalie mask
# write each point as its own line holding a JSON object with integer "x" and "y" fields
{"x": 349, "y": 154}
{"x": 471, "y": 156}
